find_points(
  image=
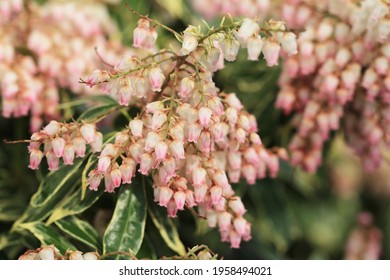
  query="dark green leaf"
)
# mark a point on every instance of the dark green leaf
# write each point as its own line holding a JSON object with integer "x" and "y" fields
{"x": 81, "y": 231}
{"x": 47, "y": 235}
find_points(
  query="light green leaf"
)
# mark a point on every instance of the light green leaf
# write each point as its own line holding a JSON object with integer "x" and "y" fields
{"x": 81, "y": 231}
{"x": 47, "y": 235}
{"x": 126, "y": 229}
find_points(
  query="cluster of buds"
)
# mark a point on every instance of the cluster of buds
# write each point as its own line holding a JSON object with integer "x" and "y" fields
{"x": 341, "y": 73}
{"x": 364, "y": 242}
{"x": 46, "y": 48}
{"x": 144, "y": 36}
{"x": 191, "y": 138}
{"x": 63, "y": 140}
{"x": 216, "y": 8}
{"x": 51, "y": 253}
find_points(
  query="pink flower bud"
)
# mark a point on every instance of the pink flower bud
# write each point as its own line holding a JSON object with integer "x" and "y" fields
{"x": 271, "y": 51}
{"x": 68, "y": 155}
{"x": 139, "y": 37}
{"x": 324, "y": 31}
{"x": 204, "y": 114}
{"x": 249, "y": 173}
{"x": 108, "y": 184}
{"x": 156, "y": 78}
{"x": 234, "y": 159}
{"x": 79, "y": 146}
{"x": 220, "y": 178}
{"x": 165, "y": 196}
{"x": 204, "y": 142}
{"x": 248, "y": 28}
{"x": 158, "y": 119}
{"x": 251, "y": 156}
{"x": 151, "y": 140}
{"x": 140, "y": 86}
{"x": 136, "y": 151}
{"x": 154, "y": 107}
{"x": 289, "y": 43}
{"x": 237, "y": 206}
{"x": 52, "y": 128}
{"x": 47, "y": 253}
{"x": 94, "y": 180}
{"x": 230, "y": 49}
{"x": 194, "y": 131}
{"x": 212, "y": 218}
{"x": 240, "y": 135}
{"x": 217, "y": 132}
{"x": 116, "y": 176}
{"x": 161, "y": 149}
{"x": 187, "y": 85}
{"x": 190, "y": 42}
{"x": 240, "y": 225}
{"x": 88, "y": 131}
{"x": 38, "y": 42}
{"x": 190, "y": 200}
{"x": 199, "y": 176}
{"x": 97, "y": 144}
{"x": 35, "y": 159}
{"x": 145, "y": 164}
{"x": 254, "y": 45}
{"x": 109, "y": 150}
{"x": 224, "y": 221}
{"x": 232, "y": 100}
{"x": 52, "y": 161}
{"x": 180, "y": 199}
{"x": 231, "y": 115}
{"x": 216, "y": 194}
{"x": 200, "y": 193}
{"x": 177, "y": 149}
{"x": 235, "y": 239}
{"x": 104, "y": 163}
{"x": 215, "y": 104}
{"x": 125, "y": 95}
{"x": 172, "y": 208}
{"x": 58, "y": 145}
{"x": 136, "y": 127}
{"x": 127, "y": 170}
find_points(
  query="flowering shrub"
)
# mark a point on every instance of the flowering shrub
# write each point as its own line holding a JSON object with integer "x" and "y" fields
{"x": 163, "y": 137}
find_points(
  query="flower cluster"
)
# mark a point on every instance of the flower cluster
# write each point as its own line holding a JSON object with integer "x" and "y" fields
{"x": 364, "y": 242}
{"x": 46, "y": 48}
{"x": 52, "y": 253}
{"x": 248, "y": 8}
{"x": 193, "y": 139}
{"x": 65, "y": 141}
{"x": 340, "y": 73}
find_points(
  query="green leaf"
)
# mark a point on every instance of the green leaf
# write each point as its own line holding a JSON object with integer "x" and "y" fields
{"x": 81, "y": 231}
{"x": 47, "y": 235}
{"x": 54, "y": 188}
{"x": 78, "y": 202}
{"x": 10, "y": 210}
{"x": 126, "y": 229}
{"x": 95, "y": 113}
{"x": 73, "y": 204}
{"x": 53, "y": 185}
{"x": 166, "y": 227}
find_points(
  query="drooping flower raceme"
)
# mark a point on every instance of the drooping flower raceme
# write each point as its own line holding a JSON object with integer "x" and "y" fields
{"x": 193, "y": 139}
{"x": 49, "y": 54}
{"x": 341, "y": 74}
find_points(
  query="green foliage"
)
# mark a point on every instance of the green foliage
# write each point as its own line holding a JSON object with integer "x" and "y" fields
{"x": 127, "y": 226}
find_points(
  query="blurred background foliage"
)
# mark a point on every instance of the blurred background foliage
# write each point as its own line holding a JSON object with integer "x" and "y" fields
{"x": 295, "y": 216}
